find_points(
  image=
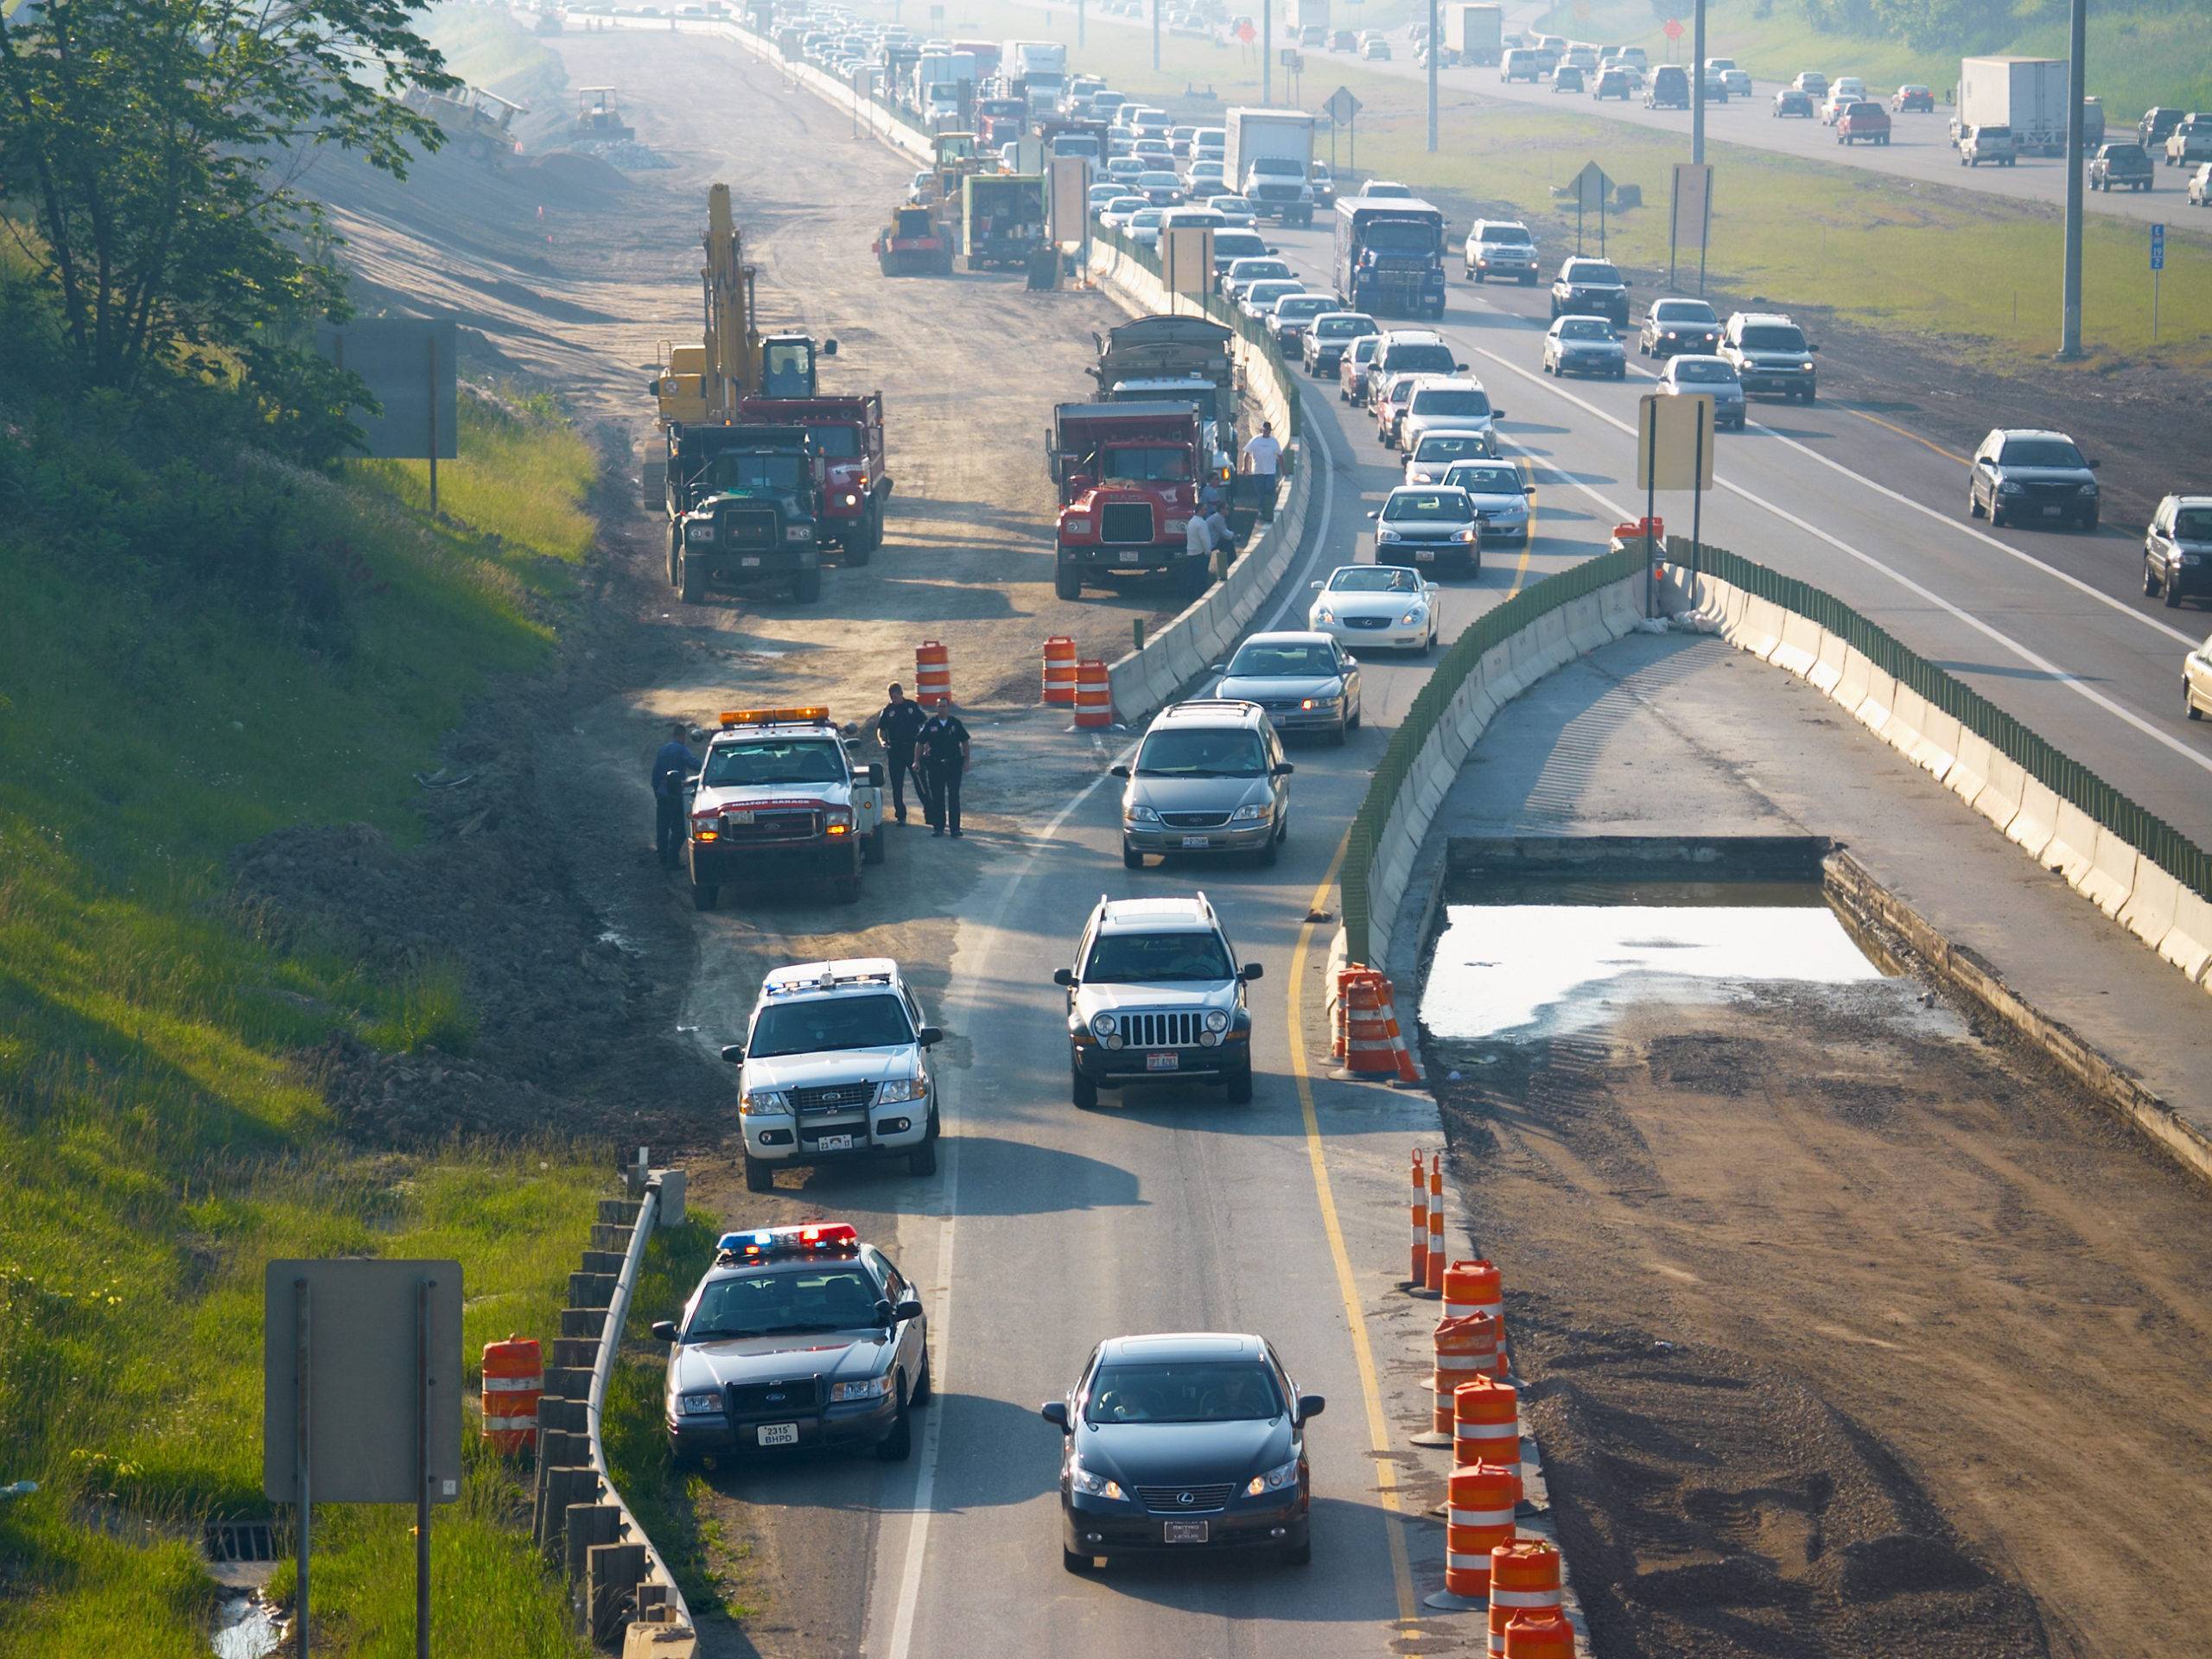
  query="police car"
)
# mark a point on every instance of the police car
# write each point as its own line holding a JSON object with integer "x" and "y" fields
{"x": 779, "y": 794}
{"x": 836, "y": 1065}
{"x": 796, "y": 1336}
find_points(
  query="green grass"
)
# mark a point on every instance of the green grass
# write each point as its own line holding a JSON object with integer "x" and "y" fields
{"x": 1976, "y": 276}
{"x": 159, "y": 708}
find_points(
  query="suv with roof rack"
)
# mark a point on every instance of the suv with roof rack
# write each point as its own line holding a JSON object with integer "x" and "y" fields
{"x": 1208, "y": 778}
{"x": 836, "y": 1065}
{"x": 1770, "y": 355}
{"x": 1155, "y": 996}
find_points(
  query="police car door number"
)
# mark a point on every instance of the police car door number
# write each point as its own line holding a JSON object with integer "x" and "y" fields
{"x": 779, "y": 1433}
{"x": 833, "y": 1143}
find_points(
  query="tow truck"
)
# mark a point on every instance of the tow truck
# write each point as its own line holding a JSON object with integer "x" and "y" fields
{"x": 797, "y": 1338}
{"x": 1127, "y": 478}
{"x": 780, "y": 795}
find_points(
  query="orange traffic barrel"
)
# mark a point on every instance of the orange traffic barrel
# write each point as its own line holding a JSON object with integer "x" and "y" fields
{"x": 1059, "y": 671}
{"x": 1419, "y": 1274}
{"x": 1369, "y": 1050}
{"x": 1402, "y": 1058}
{"x": 932, "y": 673}
{"x": 1094, "y": 695}
{"x": 1466, "y": 1348}
{"x": 1477, "y": 1287}
{"x": 1486, "y": 1423}
{"x": 1345, "y": 975}
{"x": 1480, "y": 1518}
{"x": 1539, "y": 1635}
{"x": 514, "y": 1376}
{"x": 1524, "y": 1579}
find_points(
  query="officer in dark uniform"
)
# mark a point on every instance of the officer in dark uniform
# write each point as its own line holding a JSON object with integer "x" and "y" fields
{"x": 672, "y": 765}
{"x": 944, "y": 745}
{"x": 896, "y": 727}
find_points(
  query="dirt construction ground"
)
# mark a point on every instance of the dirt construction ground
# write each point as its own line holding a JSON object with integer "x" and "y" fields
{"x": 1846, "y": 1333}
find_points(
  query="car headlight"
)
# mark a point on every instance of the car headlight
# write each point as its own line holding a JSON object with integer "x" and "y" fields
{"x": 2088, "y": 489}
{"x": 1216, "y": 1020}
{"x": 798, "y": 533}
{"x": 1671, "y": 335}
{"x": 763, "y": 1100}
{"x": 898, "y": 1089}
{"x": 699, "y": 530}
{"x": 1138, "y": 814}
{"x": 1416, "y": 614}
{"x": 2008, "y": 487}
{"x": 1269, "y": 1480}
{"x": 1807, "y": 365}
{"x": 1080, "y": 525}
{"x": 851, "y": 501}
{"x": 872, "y": 1388}
{"x": 1251, "y": 812}
{"x": 1104, "y": 1025}
{"x": 1093, "y": 1484}
{"x": 1324, "y": 617}
{"x": 1177, "y": 526}
{"x": 697, "y": 1405}
{"x": 1468, "y": 535}
{"x": 1385, "y": 534}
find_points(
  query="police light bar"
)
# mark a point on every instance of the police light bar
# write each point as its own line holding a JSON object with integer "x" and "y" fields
{"x": 766, "y": 1242}
{"x": 812, "y": 715}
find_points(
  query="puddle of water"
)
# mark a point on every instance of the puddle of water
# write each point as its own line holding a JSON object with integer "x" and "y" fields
{"x": 1536, "y": 968}
{"x": 244, "y": 1628}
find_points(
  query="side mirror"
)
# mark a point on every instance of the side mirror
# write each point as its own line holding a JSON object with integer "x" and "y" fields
{"x": 1496, "y": 414}
{"x": 1281, "y": 769}
{"x": 1218, "y": 668}
{"x": 1371, "y": 515}
{"x": 1311, "y": 1405}
{"x": 1274, "y": 250}
{"x": 1352, "y": 662}
{"x": 1056, "y": 1412}
{"x": 910, "y": 1307}
{"x": 664, "y": 1330}
{"x": 733, "y": 1052}
{"x": 829, "y": 347}
{"x": 884, "y": 1311}
{"x": 1811, "y": 347}
{"x": 1458, "y": 368}
{"x": 1123, "y": 772}
{"x": 1528, "y": 489}
{"x": 1252, "y": 970}
{"x": 875, "y": 774}
{"x": 930, "y": 1036}
{"x": 1316, "y": 586}
{"x": 2094, "y": 465}
{"x": 1063, "y": 977}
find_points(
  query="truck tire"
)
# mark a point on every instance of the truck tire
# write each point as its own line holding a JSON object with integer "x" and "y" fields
{"x": 692, "y": 581}
{"x": 859, "y": 545}
{"x": 704, "y": 894}
{"x": 871, "y": 848}
{"x": 1084, "y": 1091}
{"x": 1067, "y": 581}
{"x": 759, "y": 1177}
{"x": 846, "y": 889}
{"x": 922, "y": 1160}
{"x": 675, "y": 553}
{"x": 808, "y": 587}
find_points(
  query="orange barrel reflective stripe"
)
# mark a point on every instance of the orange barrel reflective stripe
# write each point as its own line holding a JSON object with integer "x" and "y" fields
{"x": 1094, "y": 695}
{"x": 1419, "y": 1274}
{"x": 1463, "y": 1353}
{"x": 1486, "y": 1423}
{"x": 1524, "y": 1579}
{"x": 513, "y": 1378}
{"x": 1433, "y": 1275}
{"x": 932, "y": 673}
{"x": 1059, "y": 671}
{"x": 1337, "y": 1009}
{"x": 1480, "y": 1516}
{"x": 1539, "y": 1635}
{"x": 1477, "y": 1287}
{"x": 1368, "y": 1048}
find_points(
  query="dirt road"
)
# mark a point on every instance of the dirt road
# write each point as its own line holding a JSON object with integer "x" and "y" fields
{"x": 1847, "y": 1334}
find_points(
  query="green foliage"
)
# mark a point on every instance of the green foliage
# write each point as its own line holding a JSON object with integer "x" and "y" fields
{"x": 149, "y": 138}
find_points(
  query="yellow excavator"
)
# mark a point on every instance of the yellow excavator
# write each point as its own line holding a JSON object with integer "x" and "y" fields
{"x": 701, "y": 385}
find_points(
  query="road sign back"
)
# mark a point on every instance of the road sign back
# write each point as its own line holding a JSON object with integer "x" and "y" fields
{"x": 1342, "y": 106}
{"x": 1590, "y": 187}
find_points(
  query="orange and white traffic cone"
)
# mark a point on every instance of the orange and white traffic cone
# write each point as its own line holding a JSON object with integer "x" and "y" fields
{"x": 1418, "y": 1275}
{"x": 1433, "y": 1267}
{"x": 1401, "y": 1056}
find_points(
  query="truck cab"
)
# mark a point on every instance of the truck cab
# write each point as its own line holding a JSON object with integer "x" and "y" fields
{"x": 745, "y": 505}
{"x": 1128, "y": 475}
{"x": 1391, "y": 257}
{"x": 852, "y": 476}
{"x": 1180, "y": 360}
{"x": 780, "y": 795}
{"x": 1277, "y": 188}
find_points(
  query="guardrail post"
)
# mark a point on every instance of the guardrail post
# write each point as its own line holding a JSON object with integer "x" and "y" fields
{"x": 587, "y": 1526}
{"x": 611, "y": 1573}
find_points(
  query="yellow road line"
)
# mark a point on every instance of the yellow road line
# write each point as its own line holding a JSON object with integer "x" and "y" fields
{"x": 1370, "y": 1387}
{"x": 1889, "y": 426}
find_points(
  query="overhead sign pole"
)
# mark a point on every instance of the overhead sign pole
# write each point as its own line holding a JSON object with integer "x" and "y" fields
{"x": 1697, "y": 89}
{"x": 1435, "y": 45}
{"x": 2158, "y": 270}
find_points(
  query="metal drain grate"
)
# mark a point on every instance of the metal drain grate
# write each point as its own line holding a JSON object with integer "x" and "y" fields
{"x": 241, "y": 1541}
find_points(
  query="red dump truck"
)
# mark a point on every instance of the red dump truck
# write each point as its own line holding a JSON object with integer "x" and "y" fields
{"x": 854, "y": 485}
{"x": 1127, "y": 478}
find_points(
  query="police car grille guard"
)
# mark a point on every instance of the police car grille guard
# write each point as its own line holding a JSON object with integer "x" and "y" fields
{"x": 1168, "y": 1500}
{"x": 834, "y": 1097}
{"x": 1177, "y": 1030}
{"x": 750, "y": 527}
{"x": 783, "y": 1399}
{"x": 1125, "y": 524}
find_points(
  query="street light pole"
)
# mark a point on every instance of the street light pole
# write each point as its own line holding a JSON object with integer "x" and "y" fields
{"x": 2069, "y": 328}
{"x": 1267, "y": 51}
{"x": 1697, "y": 85}
{"x": 1434, "y": 44}
{"x": 1155, "y": 33}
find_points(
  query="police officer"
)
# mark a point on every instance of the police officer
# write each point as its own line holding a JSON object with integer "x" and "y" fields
{"x": 672, "y": 765}
{"x": 944, "y": 745}
{"x": 896, "y": 725}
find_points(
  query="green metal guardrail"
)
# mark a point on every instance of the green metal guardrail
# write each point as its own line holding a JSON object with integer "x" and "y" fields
{"x": 1487, "y": 631}
{"x": 2065, "y": 777}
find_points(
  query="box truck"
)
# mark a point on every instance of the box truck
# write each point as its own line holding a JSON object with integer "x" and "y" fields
{"x": 2026, "y": 94}
{"x": 1268, "y": 160}
{"x": 1476, "y": 33}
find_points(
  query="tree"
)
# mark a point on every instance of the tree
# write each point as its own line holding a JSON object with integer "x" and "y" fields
{"x": 154, "y": 143}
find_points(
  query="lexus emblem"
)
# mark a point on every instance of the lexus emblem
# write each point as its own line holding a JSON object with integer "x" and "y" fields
{"x": 1186, "y": 1497}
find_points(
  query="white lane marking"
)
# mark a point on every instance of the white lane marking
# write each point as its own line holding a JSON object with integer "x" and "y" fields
{"x": 2035, "y": 659}
{"x": 1321, "y": 537}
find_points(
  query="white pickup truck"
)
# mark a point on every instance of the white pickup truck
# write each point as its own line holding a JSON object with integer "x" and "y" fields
{"x": 779, "y": 794}
{"x": 2191, "y": 142}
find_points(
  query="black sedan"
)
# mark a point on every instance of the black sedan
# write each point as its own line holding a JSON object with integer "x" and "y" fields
{"x": 1792, "y": 101}
{"x": 1182, "y": 1444}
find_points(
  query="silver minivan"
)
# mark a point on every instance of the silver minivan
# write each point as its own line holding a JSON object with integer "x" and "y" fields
{"x": 1210, "y": 777}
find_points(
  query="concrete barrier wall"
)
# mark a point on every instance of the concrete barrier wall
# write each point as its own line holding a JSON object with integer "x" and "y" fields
{"x": 2096, "y": 863}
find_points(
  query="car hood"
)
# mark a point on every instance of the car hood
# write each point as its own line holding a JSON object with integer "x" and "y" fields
{"x": 1592, "y": 347}
{"x": 1769, "y": 354}
{"x": 838, "y": 1066}
{"x": 1721, "y": 391}
{"x": 2046, "y": 474}
{"x": 1371, "y": 604}
{"x": 1500, "y": 503}
{"x": 1171, "y": 1455}
{"x": 1407, "y": 530}
{"x": 839, "y": 1354}
{"x": 1095, "y": 998}
{"x": 1195, "y": 794}
{"x": 1251, "y": 690}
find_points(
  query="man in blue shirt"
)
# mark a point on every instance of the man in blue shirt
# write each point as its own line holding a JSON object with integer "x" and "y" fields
{"x": 672, "y": 765}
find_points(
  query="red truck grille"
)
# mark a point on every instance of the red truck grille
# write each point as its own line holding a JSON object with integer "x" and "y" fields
{"x": 1126, "y": 523}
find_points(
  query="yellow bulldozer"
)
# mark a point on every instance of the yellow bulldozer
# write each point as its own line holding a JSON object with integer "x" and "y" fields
{"x": 599, "y": 119}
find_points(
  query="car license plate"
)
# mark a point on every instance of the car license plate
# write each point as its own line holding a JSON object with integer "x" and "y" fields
{"x": 1162, "y": 1061}
{"x": 833, "y": 1143}
{"x": 778, "y": 1434}
{"x": 735, "y": 816}
{"x": 1128, "y": 558}
{"x": 2051, "y": 513}
{"x": 749, "y": 561}
{"x": 1185, "y": 1531}
{"x": 1424, "y": 554}
{"x": 1194, "y": 840}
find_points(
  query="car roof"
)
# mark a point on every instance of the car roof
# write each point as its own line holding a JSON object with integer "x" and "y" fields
{"x": 2008, "y": 433}
{"x": 1448, "y": 383}
{"x": 1413, "y": 337}
{"x": 1419, "y": 489}
{"x": 1209, "y": 711}
{"x": 1747, "y": 318}
{"x": 1170, "y": 1345}
{"x": 840, "y": 976}
{"x": 1155, "y": 915}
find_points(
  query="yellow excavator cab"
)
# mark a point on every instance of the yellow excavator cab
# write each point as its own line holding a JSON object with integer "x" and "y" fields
{"x": 953, "y": 147}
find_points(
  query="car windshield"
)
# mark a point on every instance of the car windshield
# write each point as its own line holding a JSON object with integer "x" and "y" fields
{"x": 828, "y": 1023}
{"x": 810, "y": 1296}
{"x": 1585, "y": 328}
{"x": 1426, "y": 507}
{"x": 1373, "y": 578}
{"x": 1337, "y": 327}
{"x": 1364, "y": 348}
{"x": 1253, "y": 271}
{"x": 1704, "y": 372}
{"x": 2041, "y": 452}
{"x": 1155, "y": 958}
{"x": 1485, "y": 481}
{"x": 2194, "y": 523}
{"x": 1283, "y": 659}
{"x": 1159, "y": 180}
{"x": 773, "y": 761}
{"x": 1441, "y": 400}
{"x": 1399, "y": 236}
{"x": 1774, "y": 337}
{"x": 1207, "y": 1391}
{"x": 755, "y": 472}
{"x": 1238, "y": 244}
{"x": 1509, "y": 234}
{"x": 1227, "y": 751}
{"x": 1449, "y": 446}
{"x": 1151, "y": 463}
{"x": 838, "y": 442}
{"x": 1419, "y": 359}
{"x": 1683, "y": 311}
{"x": 1263, "y": 294}
{"x": 1595, "y": 272}
{"x": 1303, "y": 305}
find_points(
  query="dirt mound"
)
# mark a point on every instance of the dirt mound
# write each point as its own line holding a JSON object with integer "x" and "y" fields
{"x": 566, "y": 178}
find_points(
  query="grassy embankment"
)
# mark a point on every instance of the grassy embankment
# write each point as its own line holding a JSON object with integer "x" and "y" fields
{"x": 1977, "y": 275}
{"x": 200, "y": 644}
{"x": 487, "y": 48}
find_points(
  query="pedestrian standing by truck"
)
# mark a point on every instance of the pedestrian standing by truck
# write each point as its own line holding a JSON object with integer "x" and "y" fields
{"x": 944, "y": 746}
{"x": 897, "y": 725}
{"x": 1263, "y": 455}
{"x": 672, "y": 767}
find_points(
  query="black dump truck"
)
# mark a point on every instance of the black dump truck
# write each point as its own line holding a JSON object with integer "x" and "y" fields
{"x": 744, "y": 511}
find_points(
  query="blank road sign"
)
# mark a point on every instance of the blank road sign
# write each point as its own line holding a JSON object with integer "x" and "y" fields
{"x": 1674, "y": 443}
{"x": 1342, "y": 106}
{"x": 409, "y": 366}
{"x": 1693, "y": 203}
